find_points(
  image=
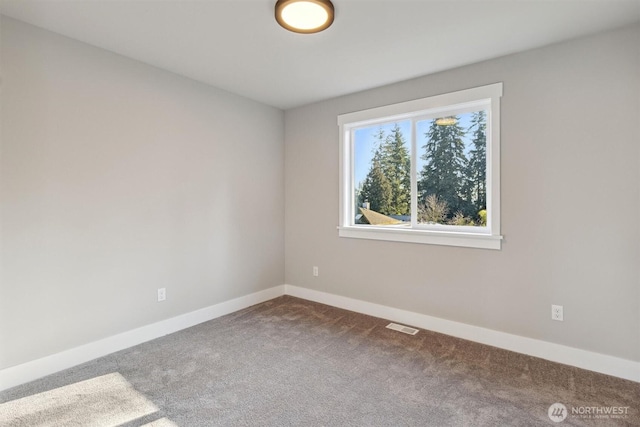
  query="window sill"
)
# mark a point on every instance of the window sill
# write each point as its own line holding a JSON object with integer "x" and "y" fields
{"x": 427, "y": 237}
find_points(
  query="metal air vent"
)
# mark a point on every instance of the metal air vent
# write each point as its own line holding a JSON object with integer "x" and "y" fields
{"x": 402, "y": 328}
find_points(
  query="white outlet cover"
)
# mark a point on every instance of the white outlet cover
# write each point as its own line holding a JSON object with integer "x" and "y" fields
{"x": 557, "y": 313}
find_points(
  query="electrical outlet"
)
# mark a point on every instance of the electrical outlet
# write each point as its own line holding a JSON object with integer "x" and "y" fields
{"x": 557, "y": 313}
{"x": 162, "y": 294}
{"x": 315, "y": 271}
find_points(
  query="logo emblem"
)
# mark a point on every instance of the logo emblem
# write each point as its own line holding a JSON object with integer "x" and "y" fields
{"x": 557, "y": 412}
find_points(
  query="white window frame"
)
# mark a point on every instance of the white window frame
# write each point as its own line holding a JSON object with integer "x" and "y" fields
{"x": 488, "y": 237}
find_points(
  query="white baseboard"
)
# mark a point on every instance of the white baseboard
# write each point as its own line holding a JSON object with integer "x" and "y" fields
{"x": 597, "y": 362}
{"x": 39, "y": 368}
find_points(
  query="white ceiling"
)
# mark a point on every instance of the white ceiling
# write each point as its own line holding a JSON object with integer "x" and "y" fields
{"x": 236, "y": 45}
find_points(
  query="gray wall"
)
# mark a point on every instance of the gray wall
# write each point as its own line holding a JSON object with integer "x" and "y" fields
{"x": 570, "y": 203}
{"x": 118, "y": 178}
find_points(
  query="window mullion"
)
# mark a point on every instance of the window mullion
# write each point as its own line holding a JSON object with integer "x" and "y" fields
{"x": 414, "y": 175}
{"x": 352, "y": 211}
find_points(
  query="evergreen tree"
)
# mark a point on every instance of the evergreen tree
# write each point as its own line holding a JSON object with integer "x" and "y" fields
{"x": 387, "y": 186}
{"x": 444, "y": 171}
{"x": 476, "y": 174}
{"x": 377, "y": 189}
{"x": 371, "y": 190}
{"x": 396, "y": 166}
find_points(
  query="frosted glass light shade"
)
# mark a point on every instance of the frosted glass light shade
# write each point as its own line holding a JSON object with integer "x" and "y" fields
{"x": 304, "y": 16}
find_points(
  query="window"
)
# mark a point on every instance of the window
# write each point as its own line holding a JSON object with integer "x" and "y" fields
{"x": 424, "y": 171}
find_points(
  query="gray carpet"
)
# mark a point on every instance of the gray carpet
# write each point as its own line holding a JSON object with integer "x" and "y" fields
{"x": 291, "y": 362}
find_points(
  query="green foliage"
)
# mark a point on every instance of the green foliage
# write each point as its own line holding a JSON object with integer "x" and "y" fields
{"x": 451, "y": 184}
{"x": 443, "y": 172}
{"x": 396, "y": 166}
{"x": 483, "y": 217}
{"x": 458, "y": 180}
{"x": 387, "y": 186}
{"x": 475, "y": 189}
{"x": 377, "y": 189}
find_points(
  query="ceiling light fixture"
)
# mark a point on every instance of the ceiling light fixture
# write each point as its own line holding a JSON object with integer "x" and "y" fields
{"x": 304, "y": 16}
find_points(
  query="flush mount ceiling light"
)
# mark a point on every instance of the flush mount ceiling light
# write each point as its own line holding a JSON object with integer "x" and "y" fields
{"x": 304, "y": 16}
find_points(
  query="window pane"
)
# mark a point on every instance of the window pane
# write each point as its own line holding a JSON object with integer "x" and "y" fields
{"x": 382, "y": 174}
{"x": 452, "y": 170}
